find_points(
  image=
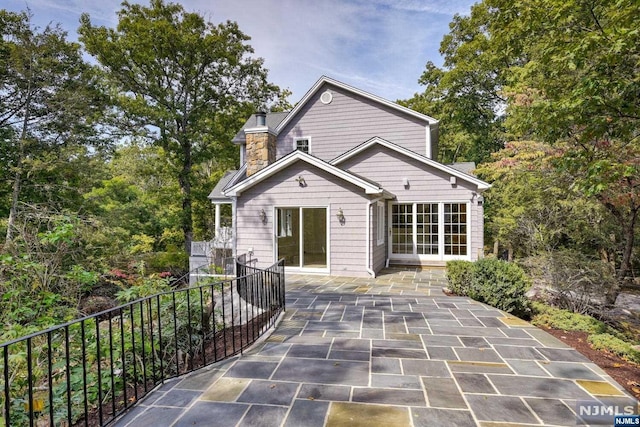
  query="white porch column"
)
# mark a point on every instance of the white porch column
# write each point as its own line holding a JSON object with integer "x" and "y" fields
{"x": 217, "y": 224}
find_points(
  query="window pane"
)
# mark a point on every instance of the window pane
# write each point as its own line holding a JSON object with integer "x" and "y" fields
{"x": 455, "y": 229}
{"x": 427, "y": 229}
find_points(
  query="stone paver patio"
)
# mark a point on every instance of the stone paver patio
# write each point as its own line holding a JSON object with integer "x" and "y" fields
{"x": 390, "y": 351}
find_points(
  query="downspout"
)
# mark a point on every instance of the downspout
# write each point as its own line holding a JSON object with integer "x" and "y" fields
{"x": 368, "y": 251}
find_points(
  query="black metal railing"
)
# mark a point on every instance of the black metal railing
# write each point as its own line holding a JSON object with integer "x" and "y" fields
{"x": 91, "y": 370}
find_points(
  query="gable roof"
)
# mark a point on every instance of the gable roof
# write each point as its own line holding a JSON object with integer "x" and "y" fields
{"x": 327, "y": 80}
{"x": 369, "y": 187}
{"x": 425, "y": 160}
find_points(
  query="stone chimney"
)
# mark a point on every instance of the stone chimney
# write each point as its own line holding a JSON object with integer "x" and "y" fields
{"x": 260, "y": 145}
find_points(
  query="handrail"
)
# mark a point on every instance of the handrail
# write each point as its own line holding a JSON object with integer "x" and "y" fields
{"x": 91, "y": 370}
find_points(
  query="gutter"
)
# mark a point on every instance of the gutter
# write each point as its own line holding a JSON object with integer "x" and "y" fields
{"x": 368, "y": 244}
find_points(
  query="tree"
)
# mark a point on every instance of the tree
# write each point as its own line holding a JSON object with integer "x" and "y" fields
{"x": 49, "y": 101}
{"x": 532, "y": 207}
{"x": 580, "y": 87}
{"x": 176, "y": 79}
{"x": 466, "y": 93}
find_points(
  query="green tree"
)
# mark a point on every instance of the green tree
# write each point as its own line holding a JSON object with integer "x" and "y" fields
{"x": 580, "y": 87}
{"x": 533, "y": 208}
{"x": 179, "y": 80}
{"x": 49, "y": 102}
{"x": 466, "y": 93}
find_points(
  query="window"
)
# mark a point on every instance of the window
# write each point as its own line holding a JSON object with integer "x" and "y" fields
{"x": 380, "y": 224}
{"x": 429, "y": 230}
{"x": 402, "y": 223}
{"x": 302, "y": 144}
{"x": 455, "y": 229}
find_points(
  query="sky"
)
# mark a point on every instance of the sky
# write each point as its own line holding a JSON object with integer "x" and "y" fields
{"x": 379, "y": 46}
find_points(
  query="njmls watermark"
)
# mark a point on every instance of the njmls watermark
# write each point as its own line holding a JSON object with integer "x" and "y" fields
{"x": 605, "y": 411}
{"x": 626, "y": 420}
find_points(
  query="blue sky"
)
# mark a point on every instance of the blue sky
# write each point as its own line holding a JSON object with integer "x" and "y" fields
{"x": 380, "y": 46}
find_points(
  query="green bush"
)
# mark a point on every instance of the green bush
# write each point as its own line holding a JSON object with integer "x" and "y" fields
{"x": 502, "y": 285}
{"x": 556, "y": 318}
{"x": 459, "y": 276}
{"x": 498, "y": 283}
{"x": 615, "y": 345}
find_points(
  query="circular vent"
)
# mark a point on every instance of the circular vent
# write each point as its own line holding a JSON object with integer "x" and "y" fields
{"x": 326, "y": 97}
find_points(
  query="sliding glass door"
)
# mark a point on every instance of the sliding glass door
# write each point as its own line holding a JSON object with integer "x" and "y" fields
{"x": 302, "y": 237}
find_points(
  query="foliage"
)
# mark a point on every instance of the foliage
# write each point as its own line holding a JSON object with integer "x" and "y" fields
{"x": 182, "y": 82}
{"x": 616, "y": 346}
{"x": 577, "y": 88}
{"x": 465, "y": 94}
{"x": 601, "y": 336}
{"x": 565, "y": 320}
{"x": 573, "y": 280}
{"x": 50, "y": 105}
{"x": 459, "y": 275}
{"x": 495, "y": 282}
{"x": 46, "y": 269}
{"x": 520, "y": 216}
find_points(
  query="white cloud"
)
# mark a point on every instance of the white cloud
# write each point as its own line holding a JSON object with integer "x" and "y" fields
{"x": 380, "y": 46}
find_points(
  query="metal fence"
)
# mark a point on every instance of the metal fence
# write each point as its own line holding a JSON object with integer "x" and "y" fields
{"x": 91, "y": 370}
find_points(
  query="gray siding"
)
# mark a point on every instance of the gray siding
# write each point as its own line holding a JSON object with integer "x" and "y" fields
{"x": 347, "y": 242}
{"x": 348, "y": 121}
{"x": 389, "y": 168}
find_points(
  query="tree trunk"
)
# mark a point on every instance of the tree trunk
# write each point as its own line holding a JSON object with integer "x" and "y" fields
{"x": 185, "y": 187}
{"x": 17, "y": 181}
{"x": 628, "y": 227}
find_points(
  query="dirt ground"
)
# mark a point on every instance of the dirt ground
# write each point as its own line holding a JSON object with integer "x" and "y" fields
{"x": 627, "y": 374}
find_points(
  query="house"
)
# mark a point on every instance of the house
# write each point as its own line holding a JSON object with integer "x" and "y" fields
{"x": 346, "y": 183}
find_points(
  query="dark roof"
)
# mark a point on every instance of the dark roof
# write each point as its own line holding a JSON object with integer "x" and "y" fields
{"x": 216, "y": 193}
{"x": 273, "y": 120}
{"x": 466, "y": 167}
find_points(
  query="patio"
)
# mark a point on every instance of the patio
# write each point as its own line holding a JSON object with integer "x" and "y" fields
{"x": 392, "y": 351}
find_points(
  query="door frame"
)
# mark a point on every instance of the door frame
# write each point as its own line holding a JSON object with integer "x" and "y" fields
{"x": 299, "y": 268}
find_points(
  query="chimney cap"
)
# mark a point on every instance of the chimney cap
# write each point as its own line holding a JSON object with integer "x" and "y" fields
{"x": 261, "y": 118}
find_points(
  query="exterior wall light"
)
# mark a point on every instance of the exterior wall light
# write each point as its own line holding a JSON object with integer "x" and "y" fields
{"x": 340, "y": 216}
{"x": 263, "y": 216}
{"x": 301, "y": 181}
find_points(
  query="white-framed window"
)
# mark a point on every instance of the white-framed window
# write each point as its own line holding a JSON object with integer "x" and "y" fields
{"x": 303, "y": 144}
{"x": 380, "y": 224}
{"x": 431, "y": 230}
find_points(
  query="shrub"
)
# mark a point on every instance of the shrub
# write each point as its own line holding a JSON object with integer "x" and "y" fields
{"x": 502, "y": 285}
{"x": 498, "y": 283}
{"x": 573, "y": 280}
{"x": 459, "y": 276}
{"x": 615, "y": 345}
{"x": 556, "y": 318}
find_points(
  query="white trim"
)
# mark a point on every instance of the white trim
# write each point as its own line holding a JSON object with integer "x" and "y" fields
{"x": 380, "y": 224}
{"x": 302, "y": 138}
{"x": 427, "y": 137}
{"x": 259, "y": 129}
{"x": 326, "y": 97}
{"x": 275, "y": 236}
{"x": 424, "y": 257}
{"x": 327, "y": 80}
{"x": 293, "y": 157}
{"x": 429, "y": 162}
{"x": 368, "y": 248}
